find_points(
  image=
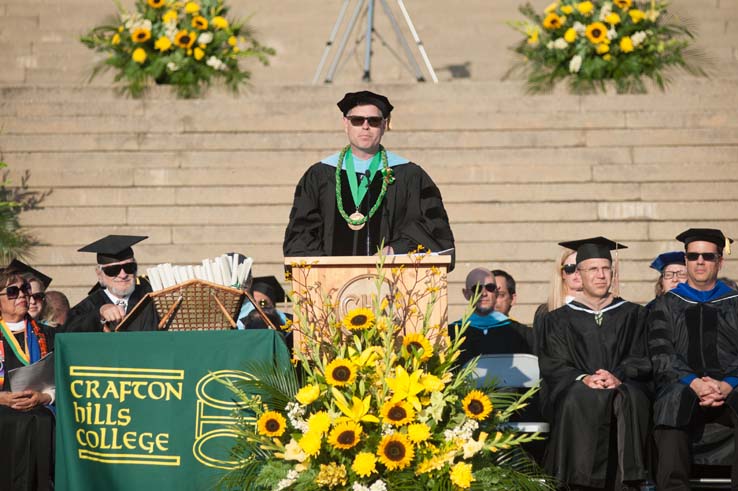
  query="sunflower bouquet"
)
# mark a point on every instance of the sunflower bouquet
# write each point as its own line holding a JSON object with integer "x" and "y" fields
{"x": 377, "y": 407}
{"x": 590, "y": 43}
{"x": 186, "y": 44}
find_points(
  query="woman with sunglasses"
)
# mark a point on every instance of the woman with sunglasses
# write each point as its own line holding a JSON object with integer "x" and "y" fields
{"x": 564, "y": 286}
{"x": 26, "y": 421}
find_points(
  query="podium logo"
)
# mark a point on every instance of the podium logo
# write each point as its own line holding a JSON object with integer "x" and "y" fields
{"x": 214, "y": 419}
{"x": 357, "y": 293}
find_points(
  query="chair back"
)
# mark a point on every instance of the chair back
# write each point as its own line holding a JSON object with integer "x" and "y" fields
{"x": 515, "y": 370}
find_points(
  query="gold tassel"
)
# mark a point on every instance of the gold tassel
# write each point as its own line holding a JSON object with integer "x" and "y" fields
{"x": 727, "y": 246}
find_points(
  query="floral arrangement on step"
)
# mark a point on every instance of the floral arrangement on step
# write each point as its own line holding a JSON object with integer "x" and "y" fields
{"x": 185, "y": 44}
{"x": 377, "y": 407}
{"x": 591, "y": 43}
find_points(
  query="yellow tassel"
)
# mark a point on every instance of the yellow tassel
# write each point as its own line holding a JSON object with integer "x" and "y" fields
{"x": 727, "y": 246}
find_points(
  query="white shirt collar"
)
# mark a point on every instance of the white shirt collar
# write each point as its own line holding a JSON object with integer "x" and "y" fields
{"x": 115, "y": 299}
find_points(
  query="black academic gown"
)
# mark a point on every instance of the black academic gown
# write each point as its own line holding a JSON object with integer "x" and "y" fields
{"x": 26, "y": 437}
{"x": 85, "y": 316}
{"x": 687, "y": 337}
{"x": 571, "y": 345}
{"x": 511, "y": 338}
{"x": 411, "y": 214}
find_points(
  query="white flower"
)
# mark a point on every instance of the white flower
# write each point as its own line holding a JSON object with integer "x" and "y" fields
{"x": 580, "y": 28}
{"x": 387, "y": 429}
{"x": 378, "y": 486}
{"x": 288, "y": 480}
{"x": 605, "y": 11}
{"x": 205, "y": 38}
{"x": 172, "y": 67}
{"x": 550, "y": 45}
{"x": 359, "y": 487}
{"x": 638, "y": 38}
{"x": 575, "y": 64}
{"x": 612, "y": 34}
{"x": 295, "y": 411}
{"x": 216, "y": 64}
{"x": 560, "y": 43}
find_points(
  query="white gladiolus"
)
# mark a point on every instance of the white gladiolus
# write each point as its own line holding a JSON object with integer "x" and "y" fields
{"x": 575, "y": 64}
{"x": 638, "y": 38}
{"x": 216, "y": 63}
{"x": 612, "y": 34}
{"x": 205, "y": 38}
{"x": 560, "y": 43}
{"x": 580, "y": 28}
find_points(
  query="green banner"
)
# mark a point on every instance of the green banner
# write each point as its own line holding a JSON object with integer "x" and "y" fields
{"x": 143, "y": 410}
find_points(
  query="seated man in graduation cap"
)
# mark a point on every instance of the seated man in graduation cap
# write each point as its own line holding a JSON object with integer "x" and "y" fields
{"x": 693, "y": 342}
{"x": 118, "y": 293}
{"x": 267, "y": 292}
{"x": 594, "y": 366}
{"x": 489, "y": 331}
{"x": 364, "y": 196}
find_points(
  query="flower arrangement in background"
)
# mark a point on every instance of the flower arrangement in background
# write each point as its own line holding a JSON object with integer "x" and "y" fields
{"x": 590, "y": 43}
{"x": 378, "y": 408}
{"x": 185, "y": 44}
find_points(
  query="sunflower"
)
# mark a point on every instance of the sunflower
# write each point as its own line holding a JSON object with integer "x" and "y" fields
{"x": 461, "y": 475}
{"x": 200, "y": 22}
{"x": 271, "y": 423}
{"x": 418, "y": 432}
{"x": 477, "y": 405}
{"x": 141, "y": 35}
{"x": 345, "y": 435}
{"x": 184, "y": 39}
{"x": 395, "y": 451}
{"x": 553, "y": 21}
{"x": 596, "y": 32}
{"x": 623, "y": 4}
{"x": 364, "y": 464}
{"x": 397, "y": 413}
{"x": 156, "y": 4}
{"x": 419, "y": 344}
{"x": 358, "y": 319}
{"x": 340, "y": 372}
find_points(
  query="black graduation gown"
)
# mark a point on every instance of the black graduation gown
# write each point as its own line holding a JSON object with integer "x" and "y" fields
{"x": 411, "y": 214}
{"x": 571, "y": 344}
{"x": 512, "y": 338}
{"x": 85, "y": 316}
{"x": 26, "y": 437}
{"x": 687, "y": 337}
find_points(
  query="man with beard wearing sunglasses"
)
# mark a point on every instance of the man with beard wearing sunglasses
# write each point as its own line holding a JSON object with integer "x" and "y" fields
{"x": 489, "y": 332}
{"x": 364, "y": 196}
{"x": 693, "y": 342}
{"x": 118, "y": 293}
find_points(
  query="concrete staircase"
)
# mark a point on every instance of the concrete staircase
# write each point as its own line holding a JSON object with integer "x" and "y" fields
{"x": 518, "y": 173}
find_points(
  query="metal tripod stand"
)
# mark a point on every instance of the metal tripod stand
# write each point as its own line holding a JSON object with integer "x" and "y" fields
{"x": 368, "y": 5}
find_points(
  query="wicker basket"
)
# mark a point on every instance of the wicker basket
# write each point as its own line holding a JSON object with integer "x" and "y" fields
{"x": 197, "y": 305}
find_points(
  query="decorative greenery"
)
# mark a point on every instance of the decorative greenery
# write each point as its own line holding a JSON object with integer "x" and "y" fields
{"x": 379, "y": 408}
{"x": 184, "y": 44}
{"x": 15, "y": 242}
{"x": 590, "y": 43}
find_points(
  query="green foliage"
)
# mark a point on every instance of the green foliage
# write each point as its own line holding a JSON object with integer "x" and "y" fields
{"x": 161, "y": 42}
{"x": 15, "y": 242}
{"x": 643, "y": 41}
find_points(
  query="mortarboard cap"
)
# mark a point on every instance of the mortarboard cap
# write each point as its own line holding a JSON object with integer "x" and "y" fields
{"x": 24, "y": 269}
{"x": 353, "y": 99}
{"x": 113, "y": 248}
{"x": 269, "y": 286}
{"x": 708, "y": 235}
{"x": 593, "y": 248}
{"x": 667, "y": 258}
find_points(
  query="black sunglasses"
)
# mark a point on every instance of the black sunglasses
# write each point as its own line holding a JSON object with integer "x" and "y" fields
{"x": 38, "y": 297}
{"x": 13, "y": 291}
{"x": 490, "y": 287}
{"x": 569, "y": 268}
{"x": 707, "y": 256}
{"x": 113, "y": 271}
{"x": 374, "y": 121}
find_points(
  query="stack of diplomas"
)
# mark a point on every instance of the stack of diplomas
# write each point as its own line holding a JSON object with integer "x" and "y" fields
{"x": 227, "y": 270}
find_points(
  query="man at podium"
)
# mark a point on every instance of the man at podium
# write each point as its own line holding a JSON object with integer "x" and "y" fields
{"x": 351, "y": 202}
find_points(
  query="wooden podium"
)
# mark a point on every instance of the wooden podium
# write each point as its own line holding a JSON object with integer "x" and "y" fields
{"x": 350, "y": 282}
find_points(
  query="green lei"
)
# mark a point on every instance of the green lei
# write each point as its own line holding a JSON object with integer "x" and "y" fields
{"x": 387, "y": 179}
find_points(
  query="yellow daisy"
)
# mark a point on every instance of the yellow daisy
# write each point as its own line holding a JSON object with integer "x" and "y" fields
{"x": 319, "y": 423}
{"x": 192, "y": 7}
{"x": 626, "y": 44}
{"x": 200, "y": 22}
{"x": 418, "y": 432}
{"x": 596, "y": 32}
{"x": 461, "y": 475}
{"x": 308, "y": 394}
{"x": 139, "y": 55}
{"x": 567, "y": 9}
{"x": 184, "y": 39}
{"x": 365, "y": 464}
{"x": 272, "y": 424}
{"x": 115, "y": 40}
{"x": 310, "y": 443}
{"x": 199, "y": 54}
{"x": 397, "y": 413}
{"x": 612, "y": 19}
{"x": 358, "y": 319}
{"x": 553, "y": 21}
{"x": 220, "y": 22}
{"x": 163, "y": 44}
{"x": 340, "y": 372}
{"x": 395, "y": 452}
{"x": 416, "y": 343}
{"x": 636, "y": 15}
{"x": 141, "y": 35}
{"x": 477, "y": 405}
{"x": 585, "y": 8}
{"x": 345, "y": 435}
{"x": 570, "y": 35}
{"x": 170, "y": 16}
{"x": 602, "y": 49}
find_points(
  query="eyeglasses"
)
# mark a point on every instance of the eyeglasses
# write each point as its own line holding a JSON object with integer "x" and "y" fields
{"x": 606, "y": 270}
{"x": 374, "y": 121}
{"x": 38, "y": 297}
{"x": 670, "y": 275}
{"x": 264, "y": 303}
{"x": 490, "y": 287}
{"x": 569, "y": 268}
{"x": 113, "y": 271}
{"x": 707, "y": 256}
{"x": 13, "y": 291}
